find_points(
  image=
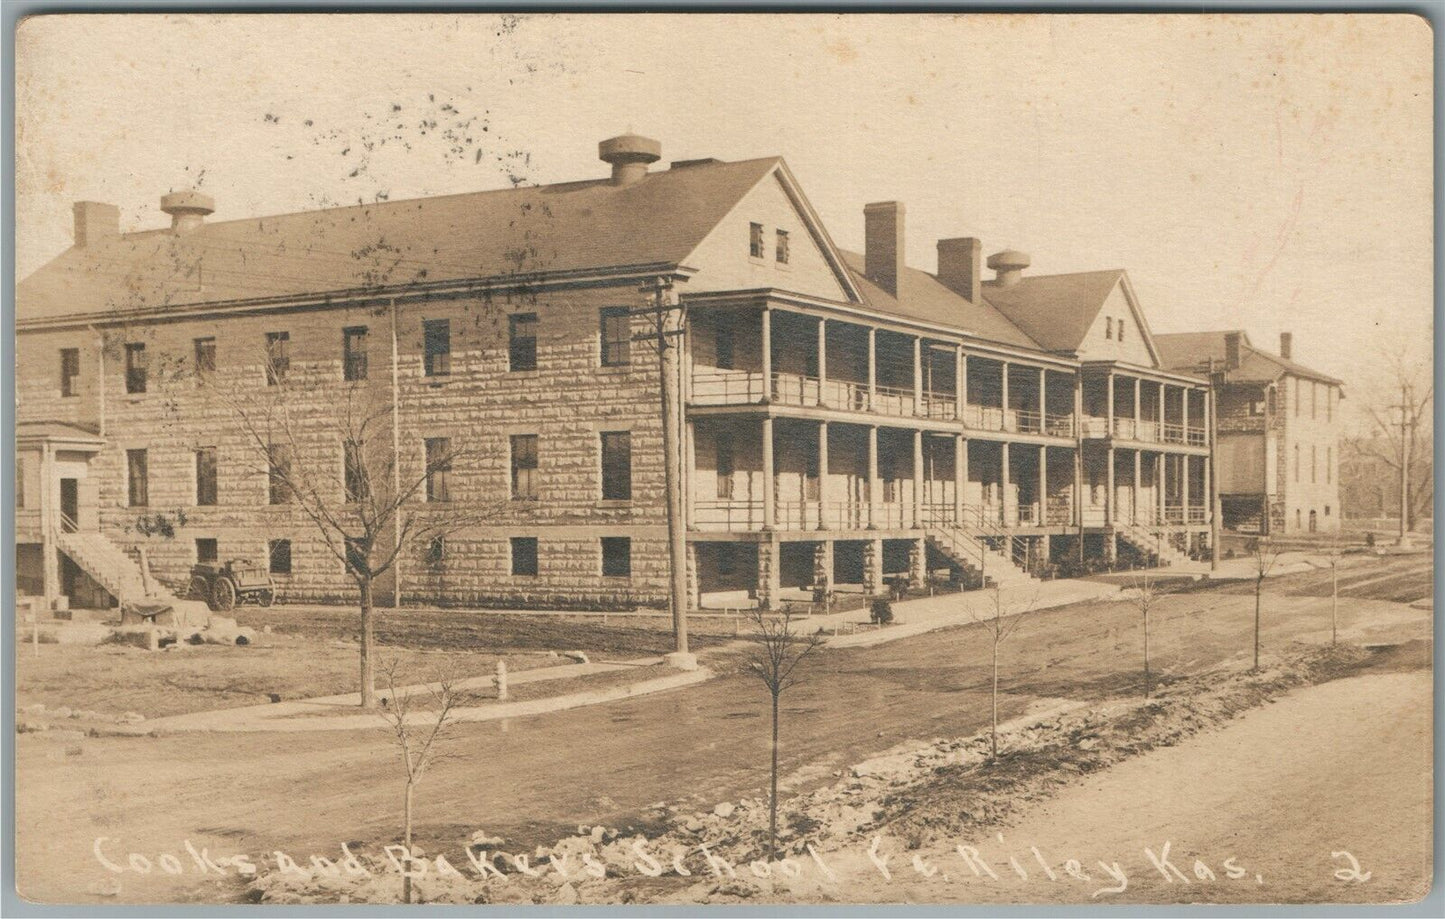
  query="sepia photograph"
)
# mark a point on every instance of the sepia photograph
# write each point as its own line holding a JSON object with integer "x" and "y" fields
{"x": 717, "y": 460}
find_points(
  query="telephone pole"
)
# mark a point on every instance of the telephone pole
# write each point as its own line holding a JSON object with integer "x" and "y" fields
{"x": 1216, "y": 379}
{"x": 668, "y": 314}
{"x": 1407, "y": 424}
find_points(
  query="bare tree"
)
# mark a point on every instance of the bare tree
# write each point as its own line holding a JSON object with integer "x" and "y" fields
{"x": 331, "y": 450}
{"x": 417, "y": 726}
{"x": 1333, "y": 552}
{"x": 1263, "y": 554}
{"x": 1398, "y": 432}
{"x": 999, "y": 630}
{"x": 774, "y": 659}
{"x": 1148, "y": 590}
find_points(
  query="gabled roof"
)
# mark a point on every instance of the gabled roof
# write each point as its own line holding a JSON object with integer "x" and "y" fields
{"x": 929, "y": 299}
{"x": 1191, "y": 352}
{"x": 572, "y": 226}
{"x": 1056, "y": 310}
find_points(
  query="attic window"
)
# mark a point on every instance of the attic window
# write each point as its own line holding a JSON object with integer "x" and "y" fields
{"x": 782, "y": 247}
{"x": 1121, "y": 330}
{"x": 1108, "y": 326}
{"x": 755, "y": 240}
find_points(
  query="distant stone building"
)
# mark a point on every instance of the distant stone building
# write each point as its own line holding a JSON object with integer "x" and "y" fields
{"x": 1279, "y": 432}
{"x": 848, "y": 418}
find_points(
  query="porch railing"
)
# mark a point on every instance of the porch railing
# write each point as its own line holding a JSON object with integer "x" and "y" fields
{"x": 728, "y": 516}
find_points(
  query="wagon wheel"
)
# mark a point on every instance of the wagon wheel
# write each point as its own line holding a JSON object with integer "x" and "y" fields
{"x": 200, "y": 589}
{"x": 266, "y": 597}
{"x": 223, "y": 595}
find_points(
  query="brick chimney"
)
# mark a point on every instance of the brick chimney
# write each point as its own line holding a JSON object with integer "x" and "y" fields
{"x": 1008, "y": 266}
{"x": 95, "y": 221}
{"x": 629, "y": 155}
{"x": 1231, "y": 349}
{"x": 883, "y": 244}
{"x": 960, "y": 266}
{"x": 188, "y": 209}
{"x": 1286, "y": 345}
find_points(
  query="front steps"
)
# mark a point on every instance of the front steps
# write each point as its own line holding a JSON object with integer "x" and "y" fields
{"x": 112, "y": 568}
{"x": 974, "y": 553}
{"x": 1151, "y": 544}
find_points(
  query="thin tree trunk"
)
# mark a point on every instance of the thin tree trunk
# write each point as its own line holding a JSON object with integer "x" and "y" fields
{"x": 773, "y": 799}
{"x": 993, "y": 729}
{"x": 1258, "y": 590}
{"x": 368, "y": 676}
{"x": 1146, "y": 653}
{"x": 406, "y": 841}
{"x": 1334, "y": 605}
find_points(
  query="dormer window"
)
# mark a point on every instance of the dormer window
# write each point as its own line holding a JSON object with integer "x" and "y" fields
{"x": 755, "y": 240}
{"x": 782, "y": 247}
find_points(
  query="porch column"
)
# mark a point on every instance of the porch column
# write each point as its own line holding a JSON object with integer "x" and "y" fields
{"x": 1003, "y": 395}
{"x": 872, "y": 476}
{"x": 823, "y": 566}
{"x": 1109, "y": 496}
{"x": 1043, "y": 400}
{"x": 1184, "y": 479}
{"x": 694, "y": 586}
{"x": 689, "y": 478}
{"x": 822, "y": 475}
{"x": 822, "y": 361}
{"x": 1138, "y": 474}
{"x": 917, "y": 479}
{"x": 767, "y": 354}
{"x": 873, "y": 567}
{"x": 1184, "y": 415}
{"x": 1208, "y": 494}
{"x": 872, "y": 368}
{"x": 1109, "y": 404}
{"x": 1079, "y": 455}
{"x": 1163, "y": 414}
{"x": 1003, "y": 480}
{"x": 918, "y": 407}
{"x": 1159, "y": 473}
{"x": 769, "y": 492}
{"x": 1043, "y": 485}
{"x": 768, "y": 581}
{"x": 960, "y": 385}
{"x": 49, "y": 524}
{"x": 960, "y": 476}
{"x": 1138, "y": 385}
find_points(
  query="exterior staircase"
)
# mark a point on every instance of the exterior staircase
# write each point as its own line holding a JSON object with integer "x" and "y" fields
{"x": 972, "y": 551}
{"x": 111, "y": 568}
{"x": 1148, "y": 542}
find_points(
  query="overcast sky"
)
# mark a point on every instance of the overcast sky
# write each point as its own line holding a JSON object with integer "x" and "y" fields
{"x": 1265, "y": 172}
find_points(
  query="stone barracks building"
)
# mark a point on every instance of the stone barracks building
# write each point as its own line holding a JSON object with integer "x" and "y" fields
{"x": 848, "y": 418}
{"x": 1279, "y": 431}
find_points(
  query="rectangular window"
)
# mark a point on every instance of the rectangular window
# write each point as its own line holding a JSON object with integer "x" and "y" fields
{"x": 1314, "y": 399}
{"x": 1297, "y": 385}
{"x": 616, "y": 557}
{"x": 524, "y": 556}
{"x": 755, "y": 240}
{"x": 725, "y": 345}
{"x": 782, "y": 249}
{"x": 135, "y": 368}
{"x": 356, "y": 555}
{"x": 616, "y": 336}
{"x": 1329, "y": 468}
{"x": 522, "y": 341}
{"x": 205, "y": 350}
{"x": 1120, "y": 336}
{"x": 207, "y": 551}
{"x": 69, "y": 370}
{"x": 353, "y": 353}
{"x": 437, "y": 341}
{"x": 206, "y": 476}
{"x": 278, "y": 356}
{"x": 354, "y": 460}
{"x": 279, "y": 474}
{"x": 1329, "y": 403}
{"x": 137, "y": 478}
{"x": 524, "y": 467}
{"x": 438, "y": 468}
{"x": 436, "y": 552}
{"x": 1314, "y": 464}
{"x": 725, "y": 469}
{"x": 616, "y": 466}
{"x": 1296, "y": 462}
{"x": 279, "y": 551}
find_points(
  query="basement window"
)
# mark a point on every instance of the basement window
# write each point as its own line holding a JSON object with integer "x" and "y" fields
{"x": 207, "y": 551}
{"x": 524, "y": 556}
{"x": 617, "y": 556}
{"x": 279, "y": 551}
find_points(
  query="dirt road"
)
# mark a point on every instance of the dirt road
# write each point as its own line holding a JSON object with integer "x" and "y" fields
{"x": 1344, "y": 767}
{"x": 537, "y": 778}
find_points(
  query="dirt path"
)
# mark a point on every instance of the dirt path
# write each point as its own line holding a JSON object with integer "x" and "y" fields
{"x": 1341, "y": 767}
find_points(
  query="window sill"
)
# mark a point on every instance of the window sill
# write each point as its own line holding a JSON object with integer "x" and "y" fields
{"x": 614, "y": 368}
{"x": 614, "y": 503}
{"x": 438, "y": 381}
{"x": 524, "y": 374}
{"x": 617, "y": 578}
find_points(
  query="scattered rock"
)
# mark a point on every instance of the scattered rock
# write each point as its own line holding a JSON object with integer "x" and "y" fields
{"x": 482, "y": 839}
{"x": 693, "y": 825}
{"x": 131, "y": 718}
{"x": 566, "y": 895}
{"x": 597, "y": 833}
{"x": 578, "y": 656}
{"x": 724, "y": 810}
{"x": 31, "y": 727}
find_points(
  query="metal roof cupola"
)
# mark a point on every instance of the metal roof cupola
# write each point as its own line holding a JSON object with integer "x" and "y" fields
{"x": 629, "y": 155}
{"x": 1008, "y": 266}
{"x": 188, "y": 209}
